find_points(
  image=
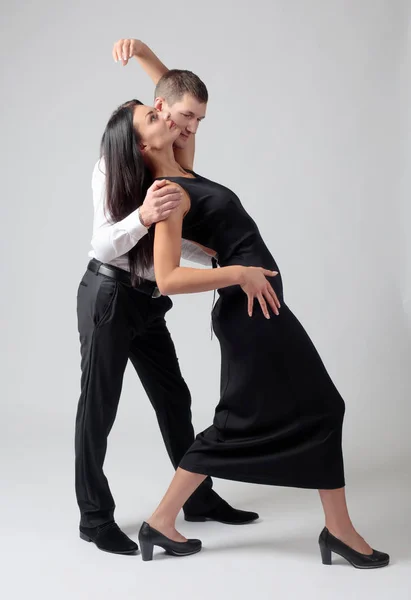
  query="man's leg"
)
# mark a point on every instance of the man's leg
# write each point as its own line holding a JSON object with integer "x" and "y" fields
{"x": 154, "y": 357}
{"x": 104, "y": 354}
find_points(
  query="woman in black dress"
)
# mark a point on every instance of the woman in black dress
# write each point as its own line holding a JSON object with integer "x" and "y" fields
{"x": 279, "y": 419}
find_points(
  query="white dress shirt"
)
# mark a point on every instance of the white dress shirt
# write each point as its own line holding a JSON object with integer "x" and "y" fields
{"x": 112, "y": 241}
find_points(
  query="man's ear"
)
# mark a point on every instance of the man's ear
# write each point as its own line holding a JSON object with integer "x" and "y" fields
{"x": 143, "y": 147}
{"x": 159, "y": 103}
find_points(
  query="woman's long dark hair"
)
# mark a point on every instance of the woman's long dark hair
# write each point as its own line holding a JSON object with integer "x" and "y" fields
{"x": 127, "y": 179}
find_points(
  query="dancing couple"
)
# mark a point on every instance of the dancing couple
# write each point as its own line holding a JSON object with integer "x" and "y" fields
{"x": 279, "y": 417}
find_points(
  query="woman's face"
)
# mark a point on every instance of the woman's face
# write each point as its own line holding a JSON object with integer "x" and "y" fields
{"x": 156, "y": 129}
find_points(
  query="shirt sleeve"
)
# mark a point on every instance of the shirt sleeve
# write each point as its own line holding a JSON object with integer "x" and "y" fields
{"x": 111, "y": 240}
{"x": 191, "y": 252}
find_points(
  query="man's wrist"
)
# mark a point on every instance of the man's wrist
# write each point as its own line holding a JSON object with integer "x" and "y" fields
{"x": 143, "y": 221}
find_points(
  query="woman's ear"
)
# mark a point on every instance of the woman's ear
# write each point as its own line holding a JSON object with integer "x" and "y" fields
{"x": 143, "y": 148}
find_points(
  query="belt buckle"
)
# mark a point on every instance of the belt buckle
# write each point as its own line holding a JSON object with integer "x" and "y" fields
{"x": 156, "y": 293}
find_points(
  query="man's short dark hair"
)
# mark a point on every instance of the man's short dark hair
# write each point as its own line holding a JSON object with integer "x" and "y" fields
{"x": 175, "y": 83}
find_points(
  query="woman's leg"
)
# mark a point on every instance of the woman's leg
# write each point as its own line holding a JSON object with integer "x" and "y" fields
{"x": 164, "y": 517}
{"x": 338, "y": 522}
{"x": 184, "y": 483}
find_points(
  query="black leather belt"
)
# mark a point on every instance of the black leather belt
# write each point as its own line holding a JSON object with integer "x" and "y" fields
{"x": 145, "y": 286}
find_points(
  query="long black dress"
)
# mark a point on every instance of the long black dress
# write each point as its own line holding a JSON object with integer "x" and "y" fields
{"x": 279, "y": 418}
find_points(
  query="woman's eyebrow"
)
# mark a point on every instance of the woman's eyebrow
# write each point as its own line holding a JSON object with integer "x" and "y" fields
{"x": 150, "y": 112}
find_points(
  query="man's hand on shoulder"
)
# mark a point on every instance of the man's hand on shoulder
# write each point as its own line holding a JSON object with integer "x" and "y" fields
{"x": 160, "y": 201}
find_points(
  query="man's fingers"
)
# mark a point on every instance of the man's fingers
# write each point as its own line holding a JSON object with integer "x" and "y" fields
{"x": 164, "y": 215}
{"x": 169, "y": 206}
{"x": 269, "y": 273}
{"x": 159, "y": 202}
{"x": 157, "y": 184}
{"x": 168, "y": 191}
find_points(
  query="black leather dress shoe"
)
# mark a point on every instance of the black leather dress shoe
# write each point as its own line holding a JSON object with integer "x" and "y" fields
{"x": 110, "y": 538}
{"x": 329, "y": 543}
{"x": 224, "y": 513}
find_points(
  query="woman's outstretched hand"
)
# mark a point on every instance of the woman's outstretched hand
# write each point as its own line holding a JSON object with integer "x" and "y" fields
{"x": 255, "y": 284}
{"x": 124, "y": 49}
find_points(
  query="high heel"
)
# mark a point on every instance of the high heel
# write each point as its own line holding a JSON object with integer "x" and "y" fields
{"x": 325, "y": 555}
{"x": 329, "y": 543}
{"x": 150, "y": 537}
{"x": 147, "y": 548}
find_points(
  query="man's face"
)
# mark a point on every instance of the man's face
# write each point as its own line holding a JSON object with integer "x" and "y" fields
{"x": 186, "y": 113}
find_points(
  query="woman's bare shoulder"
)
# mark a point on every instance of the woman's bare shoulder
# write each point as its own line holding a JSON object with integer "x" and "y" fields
{"x": 186, "y": 201}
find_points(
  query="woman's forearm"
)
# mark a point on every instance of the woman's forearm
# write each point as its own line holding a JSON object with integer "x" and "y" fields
{"x": 186, "y": 280}
{"x": 151, "y": 64}
{"x": 170, "y": 276}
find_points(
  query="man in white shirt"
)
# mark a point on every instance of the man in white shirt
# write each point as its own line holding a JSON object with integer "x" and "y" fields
{"x": 118, "y": 323}
{"x": 111, "y": 241}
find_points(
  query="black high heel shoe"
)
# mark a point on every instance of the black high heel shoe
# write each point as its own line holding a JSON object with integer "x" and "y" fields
{"x": 329, "y": 543}
{"x": 150, "y": 537}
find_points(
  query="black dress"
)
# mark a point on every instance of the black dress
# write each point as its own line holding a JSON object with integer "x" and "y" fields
{"x": 279, "y": 418}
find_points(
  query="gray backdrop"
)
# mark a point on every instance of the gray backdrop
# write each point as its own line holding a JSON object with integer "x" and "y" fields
{"x": 309, "y": 122}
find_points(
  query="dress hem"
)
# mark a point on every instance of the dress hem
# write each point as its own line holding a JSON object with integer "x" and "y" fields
{"x": 246, "y": 478}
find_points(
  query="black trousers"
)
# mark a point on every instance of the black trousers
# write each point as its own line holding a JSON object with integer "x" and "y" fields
{"x": 116, "y": 323}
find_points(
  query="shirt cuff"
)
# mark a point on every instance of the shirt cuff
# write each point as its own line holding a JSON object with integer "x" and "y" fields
{"x": 134, "y": 227}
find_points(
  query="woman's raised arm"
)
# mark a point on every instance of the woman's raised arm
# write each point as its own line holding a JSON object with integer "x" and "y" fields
{"x": 125, "y": 49}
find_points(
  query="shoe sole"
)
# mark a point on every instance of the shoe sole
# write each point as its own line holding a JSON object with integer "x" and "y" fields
{"x": 204, "y": 519}
{"x": 172, "y": 553}
{"x": 371, "y": 566}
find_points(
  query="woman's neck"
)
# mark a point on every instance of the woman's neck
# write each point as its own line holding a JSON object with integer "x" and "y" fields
{"x": 164, "y": 165}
